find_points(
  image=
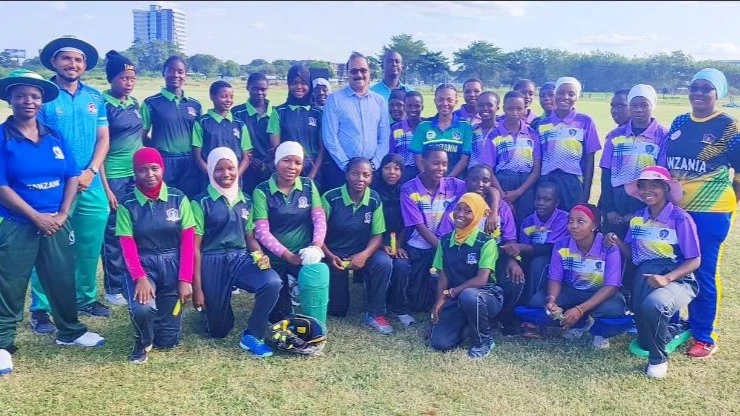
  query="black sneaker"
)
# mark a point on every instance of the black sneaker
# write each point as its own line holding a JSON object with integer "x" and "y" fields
{"x": 508, "y": 331}
{"x": 41, "y": 323}
{"x": 481, "y": 349}
{"x": 139, "y": 356}
{"x": 95, "y": 309}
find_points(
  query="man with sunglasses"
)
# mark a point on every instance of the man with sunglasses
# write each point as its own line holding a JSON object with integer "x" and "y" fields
{"x": 355, "y": 123}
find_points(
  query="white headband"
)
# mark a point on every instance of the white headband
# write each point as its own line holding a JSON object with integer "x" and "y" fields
{"x": 643, "y": 90}
{"x": 68, "y": 49}
{"x": 289, "y": 148}
{"x": 569, "y": 80}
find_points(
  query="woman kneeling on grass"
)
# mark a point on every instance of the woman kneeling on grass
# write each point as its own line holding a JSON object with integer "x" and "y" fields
{"x": 466, "y": 291}
{"x": 663, "y": 243}
{"x": 584, "y": 278}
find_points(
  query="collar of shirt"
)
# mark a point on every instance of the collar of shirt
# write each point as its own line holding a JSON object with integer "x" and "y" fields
{"x": 593, "y": 252}
{"x": 252, "y": 111}
{"x": 469, "y": 241}
{"x": 502, "y": 131}
{"x": 664, "y": 215}
{"x": 218, "y": 117}
{"x": 401, "y": 86}
{"x": 651, "y": 132}
{"x": 423, "y": 189}
{"x": 115, "y": 102}
{"x": 213, "y": 193}
{"x": 547, "y": 224}
{"x": 272, "y": 183}
{"x": 348, "y": 201}
{"x": 142, "y": 199}
{"x": 348, "y": 91}
{"x": 295, "y": 107}
{"x": 455, "y": 121}
{"x": 555, "y": 120}
{"x": 12, "y": 132}
{"x": 172, "y": 97}
{"x": 80, "y": 87}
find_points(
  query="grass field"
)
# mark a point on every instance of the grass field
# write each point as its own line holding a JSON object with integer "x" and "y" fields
{"x": 363, "y": 373}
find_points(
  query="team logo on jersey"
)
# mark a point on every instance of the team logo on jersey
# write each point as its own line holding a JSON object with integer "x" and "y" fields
{"x": 529, "y": 142}
{"x": 236, "y": 132}
{"x": 456, "y": 135}
{"x": 71, "y": 238}
{"x": 649, "y": 148}
{"x": 92, "y": 108}
{"x": 59, "y": 110}
{"x": 173, "y": 215}
{"x": 663, "y": 234}
{"x": 397, "y": 133}
{"x": 572, "y": 132}
{"x": 431, "y": 134}
{"x": 676, "y": 135}
{"x": 57, "y": 152}
{"x": 191, "y": 112}
{"x": 245, "y": 214}
{"x": 472, "y": 258}
{"x": 312, "y": 121}
{"x": 708, "y": 139}
{"x": 598, "y": 265}
{"x": 368, "y": 217}
{"x": 303, "y": 202}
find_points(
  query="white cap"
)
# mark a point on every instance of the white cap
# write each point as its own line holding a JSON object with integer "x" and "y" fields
{"x": 643, "y": 90}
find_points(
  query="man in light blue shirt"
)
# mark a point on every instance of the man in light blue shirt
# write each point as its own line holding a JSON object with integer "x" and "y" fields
{"x": 392, "y": 69}
{"x": 79, "y": 114}
{"x": 355, "y": 123}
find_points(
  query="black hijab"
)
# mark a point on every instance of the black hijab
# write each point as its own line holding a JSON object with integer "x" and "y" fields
{"x": 302, "y": 72}
{"x": 390, "y": 195}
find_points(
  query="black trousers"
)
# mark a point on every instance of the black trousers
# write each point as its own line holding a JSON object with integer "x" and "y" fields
{"x": 180, "y": 172}
{"x": 114, "y": 268}
{"x": 375, "y": 277}
{"x": 421, "y": 286}
{"x": 475, "y": 308}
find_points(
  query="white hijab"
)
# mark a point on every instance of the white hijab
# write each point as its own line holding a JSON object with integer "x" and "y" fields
{"x": 217, "y": 154}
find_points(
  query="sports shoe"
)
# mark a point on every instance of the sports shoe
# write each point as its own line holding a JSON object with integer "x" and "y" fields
{"x": 6, "y": 363}
{"x": 406, "y": 320}
{"x": 657, "y": 370}
{"x": 88, "y": 339}
{"x": 255, "y": 346}
{"x": 95, "y": 309}
{"x": 508, "y": 330}
{"x": 116, "y": 299}
{"x": 41, "y": 323}
{"x": 600, "y": 343}
{"x": 576, "y": 333}
{"x": 235, "y": 290}
{"x": 379, "y": 323}
{"x": 531, "y": 331}
{"x": 139, "y": 356}
{"x": 701, "y": 350}
{"x": 481, "y": 349}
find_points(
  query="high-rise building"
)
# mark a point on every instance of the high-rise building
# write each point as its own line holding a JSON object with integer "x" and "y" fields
{"x": 160, "y": 24}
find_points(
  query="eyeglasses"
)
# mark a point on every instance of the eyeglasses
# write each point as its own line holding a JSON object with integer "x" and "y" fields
{"x": 355, "y": 71}
{"x": 703, "y": 90}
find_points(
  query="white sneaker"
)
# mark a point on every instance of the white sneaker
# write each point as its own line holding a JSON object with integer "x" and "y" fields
{"x": 657, "y": 370}
{"x": 406, "y": 320}
{"x": 6, "y": 363}
{"x": 600, "y": 343}
{"x": 576, "y": 333}
{"x": 88, "y": 339}
{"x": 116, "y": 299}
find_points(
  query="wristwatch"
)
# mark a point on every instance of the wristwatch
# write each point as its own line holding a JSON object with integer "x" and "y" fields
{"x": 447, "y": 293}
{"x": 94, "y": 170}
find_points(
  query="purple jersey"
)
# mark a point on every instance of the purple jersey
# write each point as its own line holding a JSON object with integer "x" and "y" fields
{"x": 535, "y": 231}
{"x": 564, "y": 142}
{"x": 480, "y": 136}
{"x": 463, "y": 114}
{"x": 419, "y": 206}
{"x": 601, "y": 266}
{"x": 670, "y": 236}
{"x": 401, "y": 135}
{"x": 529, "y": 118}
{"x": 626, "y": 154}
{"x": 512, "y": 151}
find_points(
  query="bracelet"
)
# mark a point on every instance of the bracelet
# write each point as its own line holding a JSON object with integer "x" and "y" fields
{"x": 580, "y": 310}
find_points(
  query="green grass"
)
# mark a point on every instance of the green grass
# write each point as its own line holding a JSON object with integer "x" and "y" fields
{"x": 362, "y": 373}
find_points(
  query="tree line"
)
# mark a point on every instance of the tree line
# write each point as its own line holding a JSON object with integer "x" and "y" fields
{"x": 598, "y": 71}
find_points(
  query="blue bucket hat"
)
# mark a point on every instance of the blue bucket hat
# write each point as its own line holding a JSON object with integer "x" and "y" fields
{"x": 715, "y": 77}
{"x": 68, "y": 43}
{"x": 49, "y": 90}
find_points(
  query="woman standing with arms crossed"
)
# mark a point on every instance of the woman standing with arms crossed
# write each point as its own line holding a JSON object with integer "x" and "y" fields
{"x": 701, "y": 148}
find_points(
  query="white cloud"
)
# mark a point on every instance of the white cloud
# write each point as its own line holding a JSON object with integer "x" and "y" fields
{"x": 59, "y": 5}
{"x": 720, "y": 51}
{"x": 258, "y": 25}
{"x": 612, "y": 40}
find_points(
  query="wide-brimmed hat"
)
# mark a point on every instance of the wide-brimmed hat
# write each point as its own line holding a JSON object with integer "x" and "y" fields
{"x": 51, "y": 48}
{"x": 49, "y": 90}
{"x": 656, "y": 173}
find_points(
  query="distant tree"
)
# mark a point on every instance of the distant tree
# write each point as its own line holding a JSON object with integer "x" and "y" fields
{"x": 321, "y": 65}
{"x": 204, "y": 64}
{"x": 411, "y": 51}
{"x": 433, "y": 66}
{"x": 538, "y": 64}
{"x": 376, "y": 69}
{"x": 150, "y": 56}
{"x": 282, "y": 66}
{"x": 7, "y": 61}
{"x": 483, "y": 60}
{"x": 229, "y": 69}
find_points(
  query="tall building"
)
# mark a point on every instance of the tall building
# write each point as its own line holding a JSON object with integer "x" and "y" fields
{"x": 160, "y": 24}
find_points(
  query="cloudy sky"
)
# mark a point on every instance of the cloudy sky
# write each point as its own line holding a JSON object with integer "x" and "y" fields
{"x": 243, "y": 31}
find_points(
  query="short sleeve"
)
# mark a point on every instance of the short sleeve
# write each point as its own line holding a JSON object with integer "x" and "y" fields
{"x": 186, "y": 214}
{"x": 555, "y": 271}
{"x": 197, "y": 134}
{"x": 102, "y": 120}
{"x": 327, "y": 207}
{"x": 259, "y": 205}
{"x": 124, "y": 228}
{"x": 591, "y": 137}
{"x": 417, "y": 142}
{"x": 467, "y": 138}
{"x": 438, "y": 260}
{"x": 273, "y": 126}
{"x": 410, "y": 212}
{"x": 315, "y": 196}
{"x": 613, "y": 267}
{"x": 246, "y": 139}
{"x": 197, "y": 212}
{"x": 488, "y": 255}
{"x": 378, "y": 224}
{"x": 249, "y": 224}
{"x": 508, "y": 225}
{"x": 606, "y": 155}
{"x": 688, "y": 239}
{"x": 524, "y": 237}
{"x": 146, "y": 116}
{"x": 733, "y": 148}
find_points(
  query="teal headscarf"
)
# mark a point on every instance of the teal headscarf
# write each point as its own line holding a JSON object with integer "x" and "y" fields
{"x": 716, "y": 78}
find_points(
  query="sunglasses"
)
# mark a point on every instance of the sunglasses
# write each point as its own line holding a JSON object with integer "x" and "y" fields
{"x": 703, "y": 90}
{"x": 355, "y": 71}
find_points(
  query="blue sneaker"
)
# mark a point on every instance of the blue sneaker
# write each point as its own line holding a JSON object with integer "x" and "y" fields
{"x": 255, "y": 346}
{"x": 481, "y": 349}
{"x": 96, "y": 309}
{"x": 41, "y": 323}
